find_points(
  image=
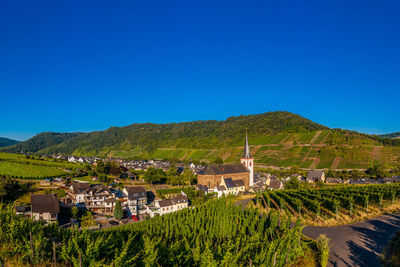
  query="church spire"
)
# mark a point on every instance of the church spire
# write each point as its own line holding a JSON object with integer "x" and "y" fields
{"x": 246, "y": 154}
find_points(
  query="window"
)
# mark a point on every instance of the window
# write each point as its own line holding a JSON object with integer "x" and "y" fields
{"x": 250, "y": 163}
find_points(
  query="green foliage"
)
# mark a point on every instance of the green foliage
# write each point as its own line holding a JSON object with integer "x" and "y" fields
{"x": 154, "y": 175}
{"x": 328, "y": 200}
{"x": 40, "y": 141}
{"x": 323, "y": 250}
{"x": 7, "y": 142}
{"x": 214, "y": 234}
{"x": 104, "y": 178}
{"x": 118, "y": 214}
{"x": 293, "y": 183}
{"x": 198, "y": 134}
{"x": 218, "y": 160}
{"x": 74, "y": 211}
{"x": 87, "y": 220}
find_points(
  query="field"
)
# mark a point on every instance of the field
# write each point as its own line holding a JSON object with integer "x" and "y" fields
{"x": 18, "y": 166}
{"x": 320, "y": 149}
{"x": 214, "y": 234}
{"x": 332, "y": 205}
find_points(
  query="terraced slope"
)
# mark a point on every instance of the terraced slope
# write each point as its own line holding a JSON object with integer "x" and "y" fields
{"x": 278, "y": 139}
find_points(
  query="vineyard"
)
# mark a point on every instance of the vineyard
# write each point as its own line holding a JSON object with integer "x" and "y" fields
{"x": 333, "y": 203}
{"x": 17, "y": 166}
{"x": 213, "y": 234}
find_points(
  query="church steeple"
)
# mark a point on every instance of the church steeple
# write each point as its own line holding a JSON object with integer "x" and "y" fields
{"x": 248, "y": 161}
{"x": 246, "y": 154}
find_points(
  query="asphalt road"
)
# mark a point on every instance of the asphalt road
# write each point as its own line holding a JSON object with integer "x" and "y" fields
{"x": 358, "y": 244}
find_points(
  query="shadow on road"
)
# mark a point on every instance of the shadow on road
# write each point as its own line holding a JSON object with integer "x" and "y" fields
{"x": 373, "y": 240}
{"x": 358, "y": 244}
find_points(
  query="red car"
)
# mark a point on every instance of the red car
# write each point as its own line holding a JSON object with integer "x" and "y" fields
{"x": 135, "y": 218}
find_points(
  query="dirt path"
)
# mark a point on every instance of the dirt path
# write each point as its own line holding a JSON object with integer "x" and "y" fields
{"x": 315, "y": 163}
{"x": 376, "y": 152}
{"x": 358, "y": 244}
{"x": 335, "y": 163}
{"x": 317, "y": 134}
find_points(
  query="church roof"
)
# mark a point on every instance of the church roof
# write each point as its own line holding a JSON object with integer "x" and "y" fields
{"x": 246, "y": 154}
{"x": 224, "y": 169}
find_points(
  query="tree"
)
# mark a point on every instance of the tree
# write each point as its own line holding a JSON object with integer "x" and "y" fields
{"x": 189, "y": 176}
{"x": 293, "y": 183}
{"x": 118, "y": 210}
{"x": 87, "y": 219}
{"x": 75, "y": 212}
{"x": 218, "y": 161}
{"x": 378, "y": 170}
{"x": 154, "y": 175}
{"x": 3, "y": 190}
{"x": 104, "y": 178}
{"x": 172, "y": 175}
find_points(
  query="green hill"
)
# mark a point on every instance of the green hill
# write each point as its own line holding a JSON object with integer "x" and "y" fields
{"x": 7, "y": 142}
{"x": 392, "y": 135}
{"x": 276, "y": 138}
{"x": 39, "y": 142}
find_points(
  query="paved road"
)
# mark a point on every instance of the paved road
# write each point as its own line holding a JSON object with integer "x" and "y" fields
{"x": 358, "y": 244}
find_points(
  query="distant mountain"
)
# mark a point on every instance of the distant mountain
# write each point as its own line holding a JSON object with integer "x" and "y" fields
{"x": 39, "y": 142}
{"x": 7, "y": 142}
{"x": 277, "y": 139}
{"x": 392, "y": 135}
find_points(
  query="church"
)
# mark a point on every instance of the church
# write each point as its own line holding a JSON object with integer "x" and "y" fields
{"x": 212, "y": 174}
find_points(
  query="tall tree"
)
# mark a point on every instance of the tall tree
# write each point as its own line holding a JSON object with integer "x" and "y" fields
{"x": 118, "y": 210}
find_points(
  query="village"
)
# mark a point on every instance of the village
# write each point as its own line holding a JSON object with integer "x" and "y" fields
{"x": 127, "y": 198}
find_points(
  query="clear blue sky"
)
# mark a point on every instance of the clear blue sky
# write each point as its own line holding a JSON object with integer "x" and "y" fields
{"x": 88, "y": 65}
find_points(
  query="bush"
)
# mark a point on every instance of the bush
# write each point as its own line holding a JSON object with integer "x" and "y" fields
{"x": 323, "y": 250}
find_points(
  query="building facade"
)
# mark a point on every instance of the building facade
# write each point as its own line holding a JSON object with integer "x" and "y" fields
{"x": 211, "y": 176}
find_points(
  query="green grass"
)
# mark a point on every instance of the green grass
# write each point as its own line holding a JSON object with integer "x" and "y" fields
{"x": 23, "y": 170}
{"x": 305, "y": 138}
{"x": 321, "y": 137}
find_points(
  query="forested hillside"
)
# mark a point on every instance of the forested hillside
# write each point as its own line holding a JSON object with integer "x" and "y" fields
{"x": 40, "y": 141}
{"x": 392, "y": 135}
{"x": 277, "y": 139}
{"x": 7, "y": 142}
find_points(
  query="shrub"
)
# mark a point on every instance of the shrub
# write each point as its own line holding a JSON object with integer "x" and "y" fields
{"x": 323, "y": 250}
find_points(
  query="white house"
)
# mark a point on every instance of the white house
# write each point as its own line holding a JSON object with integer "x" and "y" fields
{"x": 220, "y": 190}
{"x": 72, "y": 159}
{"x": 170, "y": 205}
{"x": 137, "y": 197}
{"x": 232, "y": 186}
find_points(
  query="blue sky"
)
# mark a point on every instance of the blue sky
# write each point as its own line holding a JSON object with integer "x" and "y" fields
{"x": 88, "y": 65}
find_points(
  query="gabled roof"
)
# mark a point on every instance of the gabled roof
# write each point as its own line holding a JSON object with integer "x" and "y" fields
{"x": 135, "y": 192}
{"x": 275, "y": 184}
{"x": 97, "y": 189}
{"x": 228, "y": 182}
{"x": 238, "y": 183}
{"x": 224, "y": 169}
{"x": 233, "y": 183}
{"x": 315, "y": 174}
{"x": 22, "y": 208}
{"x": 180, "y": 199}
{"x": 45, "y": 203}
{"x": 80, "y": 188}
{"x": 165, "y": 203}
{"x": 220, "y": 188}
